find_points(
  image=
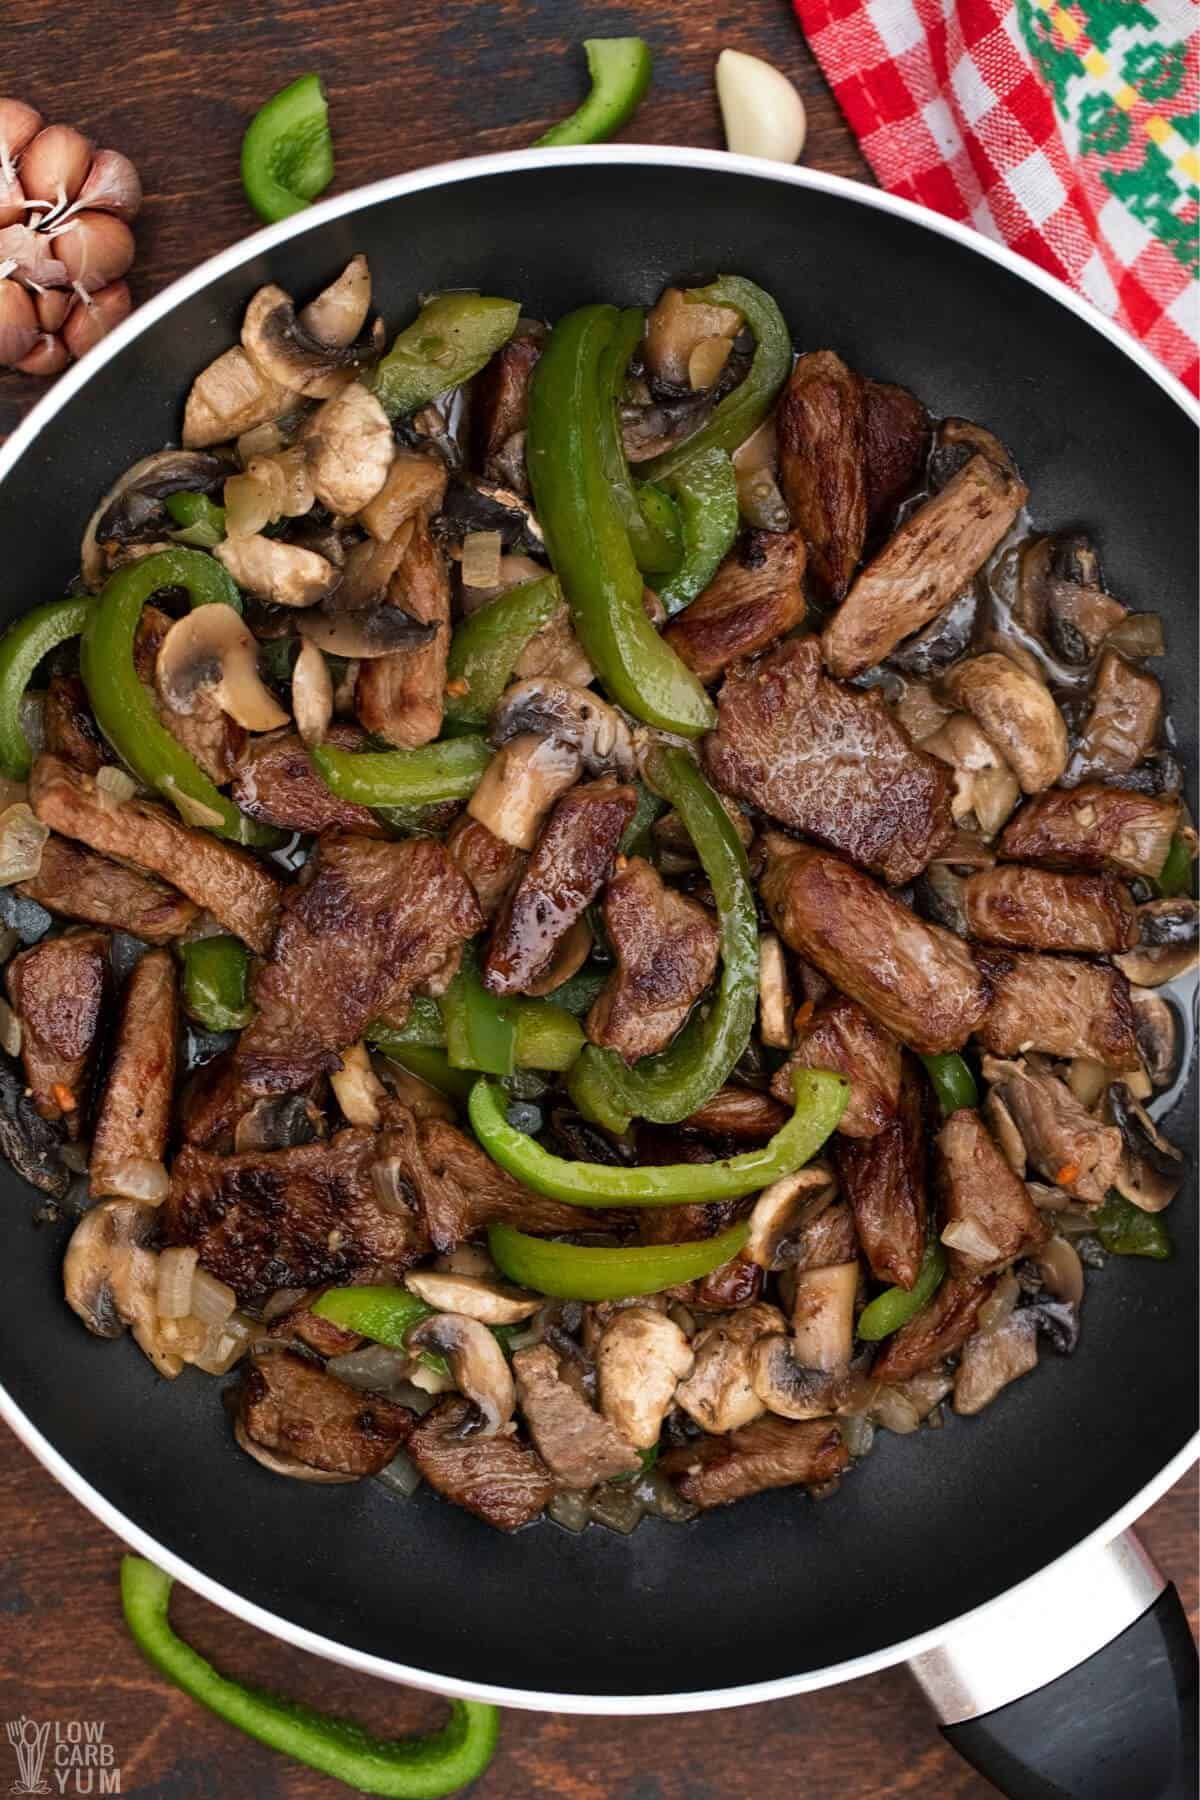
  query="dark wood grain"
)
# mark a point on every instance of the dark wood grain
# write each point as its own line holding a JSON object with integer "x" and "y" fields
{"x": 173, "y": 86}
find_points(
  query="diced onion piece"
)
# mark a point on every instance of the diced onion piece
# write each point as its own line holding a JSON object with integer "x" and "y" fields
{"x": 253, "y": 500}
{"x": 1087, "y": 1080}
{"x": 760, "y": 502}
{"x": 192, "y": 812}
{"x": 481, "y": 553}
{"x": 570, "y": 1509}
{"x": 774, "y": 993}
{"x": 707, "y": 360}
{"x": 224, "y": 1344}
{"x": 312, "y": 693}
{"x": 895, "y": 1411}
{"x": 357, "y": 1087}
{"x": 761, "y": 111}
{"x": 139, "y": 1178}
{"x": 22, "y": 839}
{"x": 10, "y": 1029}
{"x": 260, "y": 440}
{"x": 114, "y": 786}
{"x": 175, "y": 1270}
{"x": 212, "y": 1300}
{"x": 969, "y": 1237}
{"x": 401, "y": 1475}
{"x": 1141, "y": 634}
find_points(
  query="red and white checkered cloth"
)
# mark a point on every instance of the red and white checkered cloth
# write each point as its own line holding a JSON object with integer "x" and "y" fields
{"x": 1068, "y": 131}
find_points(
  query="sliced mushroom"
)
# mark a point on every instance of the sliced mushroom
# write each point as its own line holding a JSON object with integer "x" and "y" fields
{"x": 356, "y": 1087}
{"x": 985, "y": 788}
{"x": 415, "y": 484}
{"x": 784, "y": 1385}
{"x": 363, "y": 634}
{"x": 991, "y": 1359}
{"x": 209, "y": 654}
{"x": 573, "y": 716}
{"x": 29, "y": 1142}
{"x": 229, "y": 397}
{"x": 1060, "y": 1269}
{"x": 1004, "y": 1130}
{"x": 286, "y": 574}
{"x": 823, "y": 1315}
{"x": 570, "y": 954}
{"x": 1017, "y": 712}
{"x": 1169, "y": 946}
{"x": 1157, "y": 1035}
{"x": 786, "y": 1206}
{"x": 472, "y": 504}
{"x": 554, "y": 652}
{"x": 676, "y": 327}
{"x": 477, "y": 1364}
{"x": 641, "y": 1358}
{"x": 774, "y": 994}
{"x": 280, "y": 1464}
{"x": 719, "y": 1394}
{"x": 134, "y": 503}
{"x": 339, "y": 312}
{"x": 1151, "y": 1171}
{"x": 289, "y": 355}
{"x": 479, "y": 1297}
{"x": 521, "y": 784}
{"x": 312, "y": 694}
{"x": 110, "y": 1276}
{"x": 349, "y": 448}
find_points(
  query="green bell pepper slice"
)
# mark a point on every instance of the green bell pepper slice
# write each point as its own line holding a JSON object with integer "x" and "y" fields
{"x": 1175, "y": 876}
{"x": 648, "y": 514}
{"x": 579, "y": 992}
{"x": 548, "y": 1036}
{"x": 424, "y": 1025}
{"x": 386, "y": 1315}
{"x": 22, "y": 648}
{"x": 480, "y": 1032}
{"x": 432, "y": 1066}
{"x": 201, "y": 520}
{"x": 706, "y": 492}
{"x": 586, "y": 536}
{"x": 1125, "y": 1230}
{"x": 581, "y": 1272}
{"x": 486, "y": 646}
{"x": 216, "y": 982}
{"x": 414, "y": 1768}
{"x": 620, "y": 74}
{"x": 287, "y": 152}
{"x": 125, "y": 709}
{"x": 649, "y": 806}
{"x": 743, "y": 410}
{"x": 820, "y": 1102}
{"x": 893, "y": 1308}
{"x": 670, "y": 1086}
{"x": 389, "y": 778}
{"x": 450, "y": 339}
{"x": 952, "y": 1081}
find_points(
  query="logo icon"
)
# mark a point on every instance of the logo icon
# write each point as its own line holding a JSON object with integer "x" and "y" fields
{"x": 29, "y": 1741}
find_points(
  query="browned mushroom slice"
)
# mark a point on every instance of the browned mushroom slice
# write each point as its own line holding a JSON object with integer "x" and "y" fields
{"x": 290, "y": 355}
{"x": 501, "y": 1480}
{"x": 1094, "y": 827}
{"x": 230, "y": 396}
{"x": 821, "y": 427}
{"x": 572, "y": 716}
{"x": 769, "y": 1453}
{"x": 110, "y": 1276}
{"x": 1037, "y": 909}
{"x": 132, "y": 1126}
{"x": 340, "y": 311}
{"x": 641, "y": 1358}
{"x": 210, "y": 654}
{"x": 719, "y": 1394}
{"x": 415, "y": 485}
{"x": 929, "y": 559}
{"x": 295, "y": 1409}
{"x": 197, "y": 720}
{"x": 478, "y": 1366}
{"x": 1059, "y": 1005}
{"x": 988, "y": 1218}
{"x": 1017, "y": 712}
{"x": 58, "y": 990}
{"x": 285, "y": 574}
{"x": 675, "y": 328}
{"x": 400, "y": 697}
{"x": 1066, "y": 1144}
{"x": 348, "y": 448}
{"x": 883, "y": 1178}
{"x": 1123, "y": 725}
{"x": 841, "y": 1036}
{"x": 666, "y": 951}
{"x": 78, "y": 884}
{"x": 755, "y": 597}
{"x": 991, "y": 1359}
{"x": 499, "y": 404}
{"x": 1168, "y": 942}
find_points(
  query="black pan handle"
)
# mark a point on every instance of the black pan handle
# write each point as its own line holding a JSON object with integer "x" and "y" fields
{"x": 1081, "y": 1686}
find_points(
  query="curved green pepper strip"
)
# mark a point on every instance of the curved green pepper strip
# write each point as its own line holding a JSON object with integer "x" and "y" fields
{"x": 415, "y": 1768}
{"x": 480, "y": 1032}
{"x": 1175, "y": 876}
{"x": 743, "y": 410}
{"x": 450, "y": 339}
{"x": 893, "y": 1308}
{"x": 1125, "y": 1230}
{"x": 486, "y": 646}
{"x": 670, "y": 1086}
{"x": 432, "y": 1066}
{"x": 201, "y": 520}
{"x": 547, "y": 1035}
{"x": 581, "y": 1272}
{"x": 384, "y": 1314}
{"x": 448, "y": 771}
{"x": 216, "y": 981}
{"x": 706, "y": 490}
{"x": 647, "y": 513}
{"x": 820, "y": 1102}
{"x": 620, "y": 73}
{"x": 952, "y": 1080}
{"x": 22, "y": 648}
{"x": 589, "y": 546}
{"x": 125, "y": 709}
{"x": 287, "y": 152}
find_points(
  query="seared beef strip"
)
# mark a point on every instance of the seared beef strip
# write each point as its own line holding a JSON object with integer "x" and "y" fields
{"x": 58, "y": 989}
{"x": 979, "y": 1190}
{"x": 569, "y": 865}
{"x": 292, "y": 1218}
{"x": 1123, "y": 725}
{"x": 826, "y": 1242}
{"x": 134, "y": 1121}
{"x": 745, "y": 1114}
{"x": 499, "y": 405}
{"x": 666, "y": 951}
{"x": 290, "y": 1406}
{"x": 755, "y": 597}
{"x": 1060, "y": 1005}
{"x": 928, "y": 560}
{"x": 234, "y": 886}
{"x": 937, "y": 1331}
{"x": 896, "y": 442}
{"x": 841, "y": 1036}
{"x": 399, "y": 697}
{"x": 578, "y": 1445}
{"x": 1066, "y": 1144}
{"x": 69, "y": 726}
{"x": 79, "y": 884}
{"x": 820, "y": 422}
{"x": 277, "y": 783}
{"x": 1036, "y": 909}
{"x": 830, "y": 762}
{"x": 768, "y": 1453}
{"x": 883, "y": 1178}
{"x": 1093, "y": 827}
{"x": 374, "y": 922}
{"x": 492, "y": 867}
{"x": 502, "y": 1480}
{"x": 918, "y": 979}
{"x": 305, "y": 1326}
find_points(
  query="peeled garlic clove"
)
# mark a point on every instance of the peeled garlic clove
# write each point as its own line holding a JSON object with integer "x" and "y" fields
{"x": 95, "y": 248}
{"x": 48, "y": 357}
{"x": 93, "y": 318}
{"x": 762, "y": 113}
{"x": 55, "y": 164}
{"x": 112, "y": 186}
{"x": 18, "y": 324}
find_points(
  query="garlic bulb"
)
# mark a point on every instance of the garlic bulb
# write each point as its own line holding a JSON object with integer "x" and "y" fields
{"x": 762, "y": 113}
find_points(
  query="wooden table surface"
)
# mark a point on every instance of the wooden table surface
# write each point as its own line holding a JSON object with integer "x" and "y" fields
{"x": 173, "y": 85}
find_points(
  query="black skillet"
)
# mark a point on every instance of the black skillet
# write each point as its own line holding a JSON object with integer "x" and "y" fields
{"x": 779, "y": 1593}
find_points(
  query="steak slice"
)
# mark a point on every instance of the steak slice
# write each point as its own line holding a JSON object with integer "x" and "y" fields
{"x": 937, "y": 1330}
{"x": 883, "y": 1178}
{"x": 70, "y": 726}
{"x": 399, "y": 697}
{"x": 492, "y": 867}
{"x": 821, "y": 427}
{"x": 1059, "y": 1005}
{"x": 277, "y": 784}
{"x": 978, "y": 1189}
{"x": 502, "y": 1480}
{"x": 896, "y": 441}
{"x": 1037, "y": 909}
{"x": 755, "y": 597}
{"x": 78, "y": 884}
{"x": 1066, "y": 1144}
{"x": 830, "y": 762}
{"x": 767, "y": 1453}
{"x": 577, "y": 1444}
{"x": 666, "y": 951}
{"x": 1093, "y": 827}
{"x": 289, "y": 1405}
{"x": 841, "y": 1036}
{"x": 134, "y": 1120}
{"x": 58, "y": 989}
